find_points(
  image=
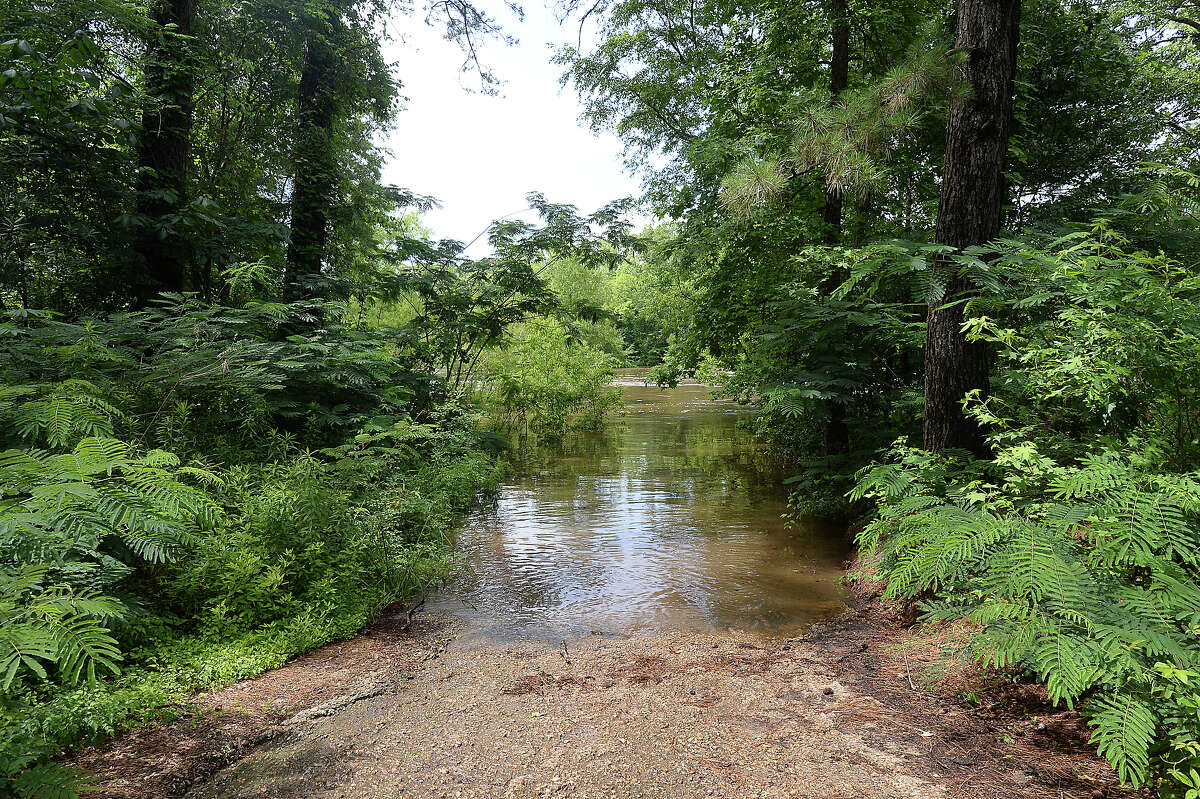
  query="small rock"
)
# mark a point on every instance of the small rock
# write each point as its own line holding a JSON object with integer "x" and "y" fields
{"x": 828, "y": 691}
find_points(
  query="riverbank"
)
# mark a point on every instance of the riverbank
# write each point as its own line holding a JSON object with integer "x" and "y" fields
{"x": 419, "y": 712}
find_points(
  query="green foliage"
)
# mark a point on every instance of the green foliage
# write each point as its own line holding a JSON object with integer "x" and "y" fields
{"x": 1073, "y": 551}
{"x": 73, "y": 524}
{"x": 153, "y": 577}
{"x": 67, "y": 125}
{"x": 1110, "y": 338}
{"x": 57, "y": 625}
{"x": 460, "y": 309}
{"x": 300, "y": 553}
{"x": 82, "y": 86}
{"x": 545, "y": 382}
{"x": 294, "y": 545}
{"x": 1085, "y": 575}
{"x": 62, "y": 509}
{"x": 648, "y": 300}
{"x": 66, "y": 412}
{"x": 846, "y": 140}
{"x": 180, "y": 370}
{"x": 51, "y": 781}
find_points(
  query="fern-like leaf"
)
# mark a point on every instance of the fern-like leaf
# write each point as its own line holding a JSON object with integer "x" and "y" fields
{"x": 1124, "y": 731}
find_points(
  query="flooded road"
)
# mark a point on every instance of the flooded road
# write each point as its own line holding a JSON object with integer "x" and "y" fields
{"x": 671, "y": 518}
{"x": 667, "y": 526}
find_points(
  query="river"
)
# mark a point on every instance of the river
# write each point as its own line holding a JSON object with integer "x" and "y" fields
{"x": 670, "y": 518}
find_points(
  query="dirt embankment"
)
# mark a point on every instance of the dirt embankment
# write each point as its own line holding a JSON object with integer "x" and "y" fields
{"x": 841, "y": 712}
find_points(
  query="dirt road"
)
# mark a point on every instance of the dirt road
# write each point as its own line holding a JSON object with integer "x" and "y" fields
{"x": 424, "y": 713}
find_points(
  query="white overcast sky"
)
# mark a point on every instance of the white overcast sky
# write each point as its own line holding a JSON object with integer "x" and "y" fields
{"x": 481, "y": 155}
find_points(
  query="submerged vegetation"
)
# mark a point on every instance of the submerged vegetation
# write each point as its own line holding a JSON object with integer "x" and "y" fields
{"x": 949, "y": 249}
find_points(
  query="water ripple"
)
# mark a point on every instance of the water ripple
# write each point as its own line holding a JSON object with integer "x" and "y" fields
{"x": 670, "y": 519}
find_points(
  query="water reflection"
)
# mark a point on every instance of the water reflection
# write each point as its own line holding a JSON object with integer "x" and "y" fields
{"x": 670, "y": 518}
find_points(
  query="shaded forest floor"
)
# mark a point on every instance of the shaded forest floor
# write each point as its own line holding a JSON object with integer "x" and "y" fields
{"x": 839, "y": 713}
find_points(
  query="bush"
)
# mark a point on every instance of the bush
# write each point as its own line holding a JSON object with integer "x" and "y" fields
{"x": 547, "y": 383}
{"x": 301, "y": 555}
{"x": 130, "y": 578}
{"x": 1085, "y": 576}
{"x": 1073, "y": 551}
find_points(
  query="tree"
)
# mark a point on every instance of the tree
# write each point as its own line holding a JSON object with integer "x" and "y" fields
{"x": 164, "y": 151}
{"x": 839, "y": 79}
{"x": 313, "y": 192}
{"x": 346, "y": 90}
{"x": 970, "y": 212}
{"x": 837, "y": 432}
{"x": 66, "y": 139}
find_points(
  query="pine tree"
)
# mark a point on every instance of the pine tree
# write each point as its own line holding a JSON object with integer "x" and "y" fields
{"x": 970, "y": 212}
{"x": 836, "y": 433}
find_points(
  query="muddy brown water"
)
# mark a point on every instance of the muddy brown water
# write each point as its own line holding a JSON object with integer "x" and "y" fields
{"x": 670, "y": 518}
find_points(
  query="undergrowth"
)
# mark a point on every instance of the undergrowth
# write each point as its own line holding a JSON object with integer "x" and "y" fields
{"x": 152, "y": 549}
{"x": 1073, "y": 551}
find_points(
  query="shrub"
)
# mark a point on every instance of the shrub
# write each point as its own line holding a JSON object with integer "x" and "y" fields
{"x": 547, "y": 383}
{"x": 1085, "y": 576}
{"x": 130, "y": 578}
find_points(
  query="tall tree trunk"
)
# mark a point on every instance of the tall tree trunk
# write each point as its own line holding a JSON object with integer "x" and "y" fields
{"x": 315, "y": 181}
{"x": 837, "y": 432}
{"x": 165, "y": 152}
{"x": 839, "y": 79}
{"x": 970, "y": 212}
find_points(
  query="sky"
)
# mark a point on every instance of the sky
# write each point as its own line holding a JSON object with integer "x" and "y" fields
{"x": 480, "y": 155}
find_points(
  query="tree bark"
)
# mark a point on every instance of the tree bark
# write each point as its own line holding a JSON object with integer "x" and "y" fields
{"x": 165, "y": 152}
{"x": 315, "y": 182}
{"x": 837, "y": 432}
{"x": 970, "y": 212}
